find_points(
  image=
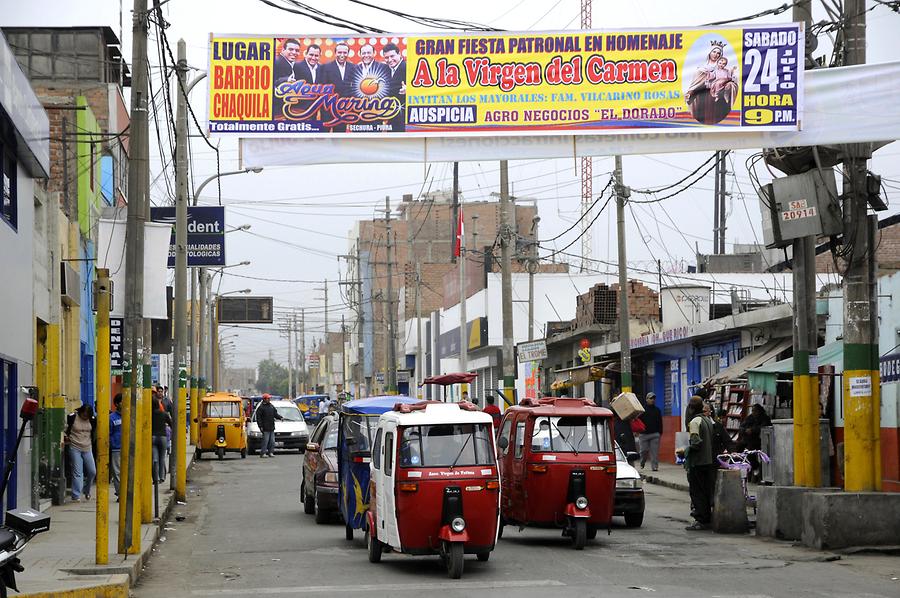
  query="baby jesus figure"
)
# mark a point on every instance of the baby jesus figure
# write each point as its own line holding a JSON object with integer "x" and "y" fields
{"x": 722, "y": 82}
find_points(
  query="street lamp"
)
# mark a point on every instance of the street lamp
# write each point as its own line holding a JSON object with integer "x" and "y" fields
{"x": 237, "y": 228}
{"x": 211, "y": 178}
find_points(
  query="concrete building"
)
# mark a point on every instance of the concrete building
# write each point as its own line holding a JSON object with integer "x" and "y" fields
{"x": 24, "y": 157}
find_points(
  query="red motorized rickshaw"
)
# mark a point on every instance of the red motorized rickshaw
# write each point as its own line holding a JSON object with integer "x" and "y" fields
{"x": 557, "y": 467}
{"x": 434, "y": 483}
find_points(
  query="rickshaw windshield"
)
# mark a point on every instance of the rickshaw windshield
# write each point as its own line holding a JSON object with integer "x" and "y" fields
{"x": 223, "y": 409}
{"x": 359, "y": 430}
{"x": 570, "y": 434}
{"x": 445, "y": 445}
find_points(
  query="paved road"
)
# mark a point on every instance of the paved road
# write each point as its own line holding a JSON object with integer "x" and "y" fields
{"x": 245, "y": 534}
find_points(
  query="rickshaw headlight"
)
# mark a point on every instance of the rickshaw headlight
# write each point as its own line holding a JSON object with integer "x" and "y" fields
{"x": 581, "y": 502}
{"x": 458, "y": 524}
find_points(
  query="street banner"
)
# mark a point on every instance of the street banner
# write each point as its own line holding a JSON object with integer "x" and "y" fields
{"x": 111, "y": 255}
{"x": 205, "y": 234}
{"x": 538, "y": 83}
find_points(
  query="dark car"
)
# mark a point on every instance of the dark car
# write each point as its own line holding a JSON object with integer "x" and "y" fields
{"x": 319, "y": 471}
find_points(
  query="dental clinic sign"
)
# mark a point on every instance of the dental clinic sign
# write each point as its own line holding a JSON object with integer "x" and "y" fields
{"x": 205, "y": 234}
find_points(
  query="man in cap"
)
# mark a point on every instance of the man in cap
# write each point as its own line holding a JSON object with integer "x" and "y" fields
{"x": 653, "y": 427}
{"x": 266, "y": 414}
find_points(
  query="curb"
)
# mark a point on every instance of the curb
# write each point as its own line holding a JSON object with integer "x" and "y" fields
{"x": 112, "y": 586}
{"x": 652, "y": 479}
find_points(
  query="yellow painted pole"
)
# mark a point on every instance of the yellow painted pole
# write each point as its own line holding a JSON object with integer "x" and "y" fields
{"x": 195, "y": 427}
{"x": 146, "y": 451}
{"x": 128, "y": 483}
{"x": 103, "y": 400}
{"x": 180, "y": 449}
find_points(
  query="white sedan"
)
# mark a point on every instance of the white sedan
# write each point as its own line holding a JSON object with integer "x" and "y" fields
{"x": 291, "y": 431}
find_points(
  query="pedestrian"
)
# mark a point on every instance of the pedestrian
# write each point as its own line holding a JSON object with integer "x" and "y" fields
{"x": 115, "y": 442}
{"x": 160, "y": 419}
{"x": 79, "y": 437}
{"x": 266, "y": 414}
{"x": 624, "y": 435}
{"x": 653, "y": 428}
{"x": 492, "y": 410}
{"x": 323, "y": 406}
{"x": 465, "y": 395}
{"x": 700, "y": 464}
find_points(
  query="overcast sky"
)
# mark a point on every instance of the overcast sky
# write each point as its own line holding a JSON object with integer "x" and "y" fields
{"x": 308, "y": 231}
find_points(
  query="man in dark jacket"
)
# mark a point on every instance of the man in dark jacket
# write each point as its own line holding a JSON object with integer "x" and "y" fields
{"x": 266, "y": 414}
{"x": 653, "y": 427}
{"x": 700, "y": 463}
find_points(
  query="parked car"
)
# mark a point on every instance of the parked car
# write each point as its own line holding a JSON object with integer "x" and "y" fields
{"x": 319, "y": 471}
{"x": 629, "y": 499}
{"x": 291, "y": 431}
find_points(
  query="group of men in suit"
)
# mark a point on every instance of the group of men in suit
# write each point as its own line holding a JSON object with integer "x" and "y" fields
{"x": 346, "y": 76}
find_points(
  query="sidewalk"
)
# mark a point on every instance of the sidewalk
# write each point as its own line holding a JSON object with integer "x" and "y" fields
{"x": 61, "y": 562}
{"x": 675, "y": 476}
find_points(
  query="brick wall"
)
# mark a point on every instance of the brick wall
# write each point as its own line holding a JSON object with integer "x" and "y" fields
{"x": 887, "y": 253}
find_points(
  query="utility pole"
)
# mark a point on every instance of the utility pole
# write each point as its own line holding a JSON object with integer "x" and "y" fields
{"x": 463, "y": 295}
{"x": 327, "y": 351}
{"x": 177, "y": 457}
{"x": 506, "y": 239}
{"x": 290, "y": 353}
{"x": 303, "y": 346}
{"x": 420, "y": 351}
{"x": 622, "y": 194}
{"x": 722, "y": 171}
{"x": 715, "y": 243}
{"x": 391, "y": 373}
{"x": 194, "y": 363}
{"x": 343, "y": 356}
{"x": 138, "y": 178}
{"x": 102, "y": 301}
{"x": 807, "y": 459}
{"x": 862, "y": 433}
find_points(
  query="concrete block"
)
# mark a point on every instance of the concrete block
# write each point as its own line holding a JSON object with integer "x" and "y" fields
{"x": 841, "y": 519}
{"x": 779, "y": 511}
{"x": 730, "y": 510}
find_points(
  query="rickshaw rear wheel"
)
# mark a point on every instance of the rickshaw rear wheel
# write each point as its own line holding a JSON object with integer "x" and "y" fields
{"x": 454, "y": 559}
{"x": 348, "y": 532}
{"x": 243, "y": 453}
{"x": 374, "y": 547}
{"x": 579, "y": 538}
{"x": 198, "y": 453}
{"x": 483, "y": 556}
{"x": 220, "y": 453}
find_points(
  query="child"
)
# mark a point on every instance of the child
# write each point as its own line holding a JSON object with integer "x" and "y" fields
{"x": 721, "y": 82}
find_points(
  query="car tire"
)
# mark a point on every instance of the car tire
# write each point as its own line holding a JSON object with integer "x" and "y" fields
{"x": 634, "y": 519}
{"x": 309, "y": 506}
{"x": 321, "y": 516}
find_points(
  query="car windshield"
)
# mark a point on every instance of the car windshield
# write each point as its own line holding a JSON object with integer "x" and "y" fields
{"x": 620, "y": 456}
{"x": 443, "y": 445}
{"x": 223, "y": 409}
{"x": 570, "y": 434}
{"x": 331, "y": 439}
{"x": 289, "y": 413}
{"x": 359, "y": 430}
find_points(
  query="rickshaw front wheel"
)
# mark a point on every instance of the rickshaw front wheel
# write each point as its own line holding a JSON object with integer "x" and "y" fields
{"x": 454, "y": 559}
{"x": 374, "y": 547}
{"x": 592, "y": 532}
{"x": 220, "y": 453}
{"x": 579, "y": 537}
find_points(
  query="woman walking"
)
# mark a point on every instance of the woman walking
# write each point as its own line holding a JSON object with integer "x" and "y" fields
{"x": 79, "y": 438}
{"x": 160, "y": 419}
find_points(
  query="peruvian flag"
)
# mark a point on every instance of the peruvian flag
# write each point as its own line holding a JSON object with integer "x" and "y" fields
{"x": 460, "y": 234}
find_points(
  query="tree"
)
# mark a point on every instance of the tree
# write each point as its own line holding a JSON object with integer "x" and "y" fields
{"x": 272, "y": 378}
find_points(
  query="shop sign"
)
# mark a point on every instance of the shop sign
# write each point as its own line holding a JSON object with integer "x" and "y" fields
{"x": 116, "y": 345}
{"x": 532, "y": 351}
{"x": 860, "y": 386}
{"x": 890, "y": 368}
{"x": 657, "y": 338}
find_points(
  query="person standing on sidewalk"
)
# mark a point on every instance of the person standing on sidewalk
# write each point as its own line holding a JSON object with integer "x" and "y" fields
{"x": 492, "y": 410}
{"x": 160, "y": 419}
{"x": 700, "y": 464}
{"x": 266, "y": 414}
{"x": 79, "y": 438}
{"x": 115, "y": 442}
{"x": 653, "y": 427}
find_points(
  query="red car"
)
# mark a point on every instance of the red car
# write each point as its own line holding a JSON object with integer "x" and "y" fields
{"x": 319, "y": 471}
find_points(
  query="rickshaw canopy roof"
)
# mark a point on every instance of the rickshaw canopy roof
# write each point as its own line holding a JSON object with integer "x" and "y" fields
{"x": 221, "y": 396}
{"x": 551, "y": 406}
{"x": 433, "y": 412}
{"x": 375, "y": 405}
{"x": 448, "y": 379}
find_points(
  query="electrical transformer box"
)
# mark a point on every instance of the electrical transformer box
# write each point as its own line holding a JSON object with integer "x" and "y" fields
{"x": 800, "y": 205}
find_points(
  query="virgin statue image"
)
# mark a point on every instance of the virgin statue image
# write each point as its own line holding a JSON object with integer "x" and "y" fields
{"x": 713, "y": 89}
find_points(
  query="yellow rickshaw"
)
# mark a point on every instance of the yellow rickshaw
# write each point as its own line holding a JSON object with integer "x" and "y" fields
{"x": 222, "y": 428}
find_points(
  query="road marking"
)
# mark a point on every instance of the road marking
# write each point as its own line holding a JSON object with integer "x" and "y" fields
{"x": 396, "y": 587}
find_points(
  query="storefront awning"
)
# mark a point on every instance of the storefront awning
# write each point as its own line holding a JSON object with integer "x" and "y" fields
{"x": 750, "y": 361}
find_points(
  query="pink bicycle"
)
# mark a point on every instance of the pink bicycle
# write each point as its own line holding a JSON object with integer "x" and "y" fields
{"x": 741, "y": 462}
